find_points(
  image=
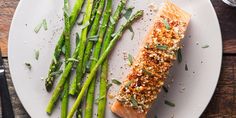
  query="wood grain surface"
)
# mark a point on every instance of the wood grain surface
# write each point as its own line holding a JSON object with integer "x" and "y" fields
{"x": 223, "y": 102}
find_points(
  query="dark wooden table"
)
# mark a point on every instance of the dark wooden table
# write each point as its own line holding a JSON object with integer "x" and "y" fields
{"x": 223, "y": 102}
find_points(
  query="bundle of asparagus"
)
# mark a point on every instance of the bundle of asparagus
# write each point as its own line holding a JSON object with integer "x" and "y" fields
{"x": 96, "y": 43}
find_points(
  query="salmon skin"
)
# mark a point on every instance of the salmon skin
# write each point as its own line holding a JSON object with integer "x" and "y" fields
{"x": 151, "y": 66}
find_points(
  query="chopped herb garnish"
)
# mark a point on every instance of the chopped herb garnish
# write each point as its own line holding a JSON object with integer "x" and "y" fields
{"x": 93, "y": 38}
{"x": 114, "y": 34}
{"x": 205, "y": 46}
{"x": 66, "y": 11}
{"x": 36, "y": 54}
{"x": 130, "y": 59}
{"x": 147, "y": 46}
{"x": 165, "y": 89}
{"x": 169, "y": 103}
{"x": 134, "y": 102}
{"x": 54, "y": 59}
{"x": 132, "y": 31}
{"x": 179, "y": 56}
{"x": 45, "y": 26}
{"x": 116, "y": 82}
{"x": 128, "y": 84}
{"x": 147, "y": 72}
{"x": 98, "y": 99}
{"x": 162, "y": 47}
{"x": 77, "y": 38}
{"x": 94, "y": 59}
{"x": 56, "y": 73}
{"x": 38, "y": 27}
{"x": 186, "y": 67}
{"x": 85, "y": 25}
{"x": 112, "y": 20}
{"x": 28, "y": 65}
{"x": 128, "y": 12}
{"x": 109, "y": 85}
{"x": 63, "y": 49}
{"x": 167, "y": 25}
{"x": 72, "y": 59}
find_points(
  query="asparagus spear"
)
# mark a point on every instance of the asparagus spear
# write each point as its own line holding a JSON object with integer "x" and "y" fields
{"x": 76, "y": 81}
{"x": 95, "y": 8}
{"x": 55, "y": 63}
{"x": 101, "y": 59}
{"x": 60, "y": 84}
{"x": 65, "y": 96}
{"x": 90, "y": 96}
{"x": 103, "y": 78}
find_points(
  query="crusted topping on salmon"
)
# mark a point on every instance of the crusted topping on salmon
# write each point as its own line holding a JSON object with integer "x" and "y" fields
{"x": 151, "y": 68}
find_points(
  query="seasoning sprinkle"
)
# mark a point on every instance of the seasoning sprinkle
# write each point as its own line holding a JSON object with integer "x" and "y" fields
{"x": 116, "y": 82}
{"x": 169, "y": 103}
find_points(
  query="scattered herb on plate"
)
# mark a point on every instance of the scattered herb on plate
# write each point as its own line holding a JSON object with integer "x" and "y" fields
{"x": 165, "y": 89}
{"x": 85, "y": 25}
{"x": 36, "y": 54}
{"x": 186, "y": 67}
{"x": 45, "y": 25}
{"x": 57, "y": 73}
{"x": 147, "y": 72}
{"x": 179, "y": 55}
{"x": 169, "y": 103}
{"x": 93, "y": 38}
{"x": 130, "y": 59}
{"x": 128, "y": 12}
{"x": 132, "y": 31}
{"x": 205, "y": 46}
{"x": 109, "y": 85}
{"x": 116, "y": 82}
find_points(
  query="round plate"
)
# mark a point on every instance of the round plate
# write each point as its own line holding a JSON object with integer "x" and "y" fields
{"x": 190, "y": 90}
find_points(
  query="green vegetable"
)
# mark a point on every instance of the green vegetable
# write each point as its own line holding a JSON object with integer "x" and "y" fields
{"x": 57, "y": 73}
{"x": 98, "y": 99}
{"x": 128, "y": 12}
{"x": 79, "y": 70}
{"x": 101, "y": 59}
{"x": 45, "y": 26}
{"x": 54, "y": 66}
{"x": 132, "y": 31}
{"x": 38, "y": 27}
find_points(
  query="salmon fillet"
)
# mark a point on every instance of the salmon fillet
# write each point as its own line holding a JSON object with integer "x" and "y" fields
{"x": 150, "y": 69}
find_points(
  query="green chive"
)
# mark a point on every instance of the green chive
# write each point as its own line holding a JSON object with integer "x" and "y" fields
{"x": 147, "y": 72}
{"x": 109, "y": 85}
{"x": 112, "y": 20}
{"x": 45, "y": 26}
{"x": 116, "y": 82}
{"x": 85, "y": 25}
{"x": 38, "y": 27}
{"x": 72, "y": 59}
{"x": 169, "y": 103}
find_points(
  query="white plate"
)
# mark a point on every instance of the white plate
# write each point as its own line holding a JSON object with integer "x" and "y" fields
{"x": 198, "y": 82}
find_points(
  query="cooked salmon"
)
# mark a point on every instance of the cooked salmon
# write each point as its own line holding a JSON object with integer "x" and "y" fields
{"x": 151, "y": 66}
